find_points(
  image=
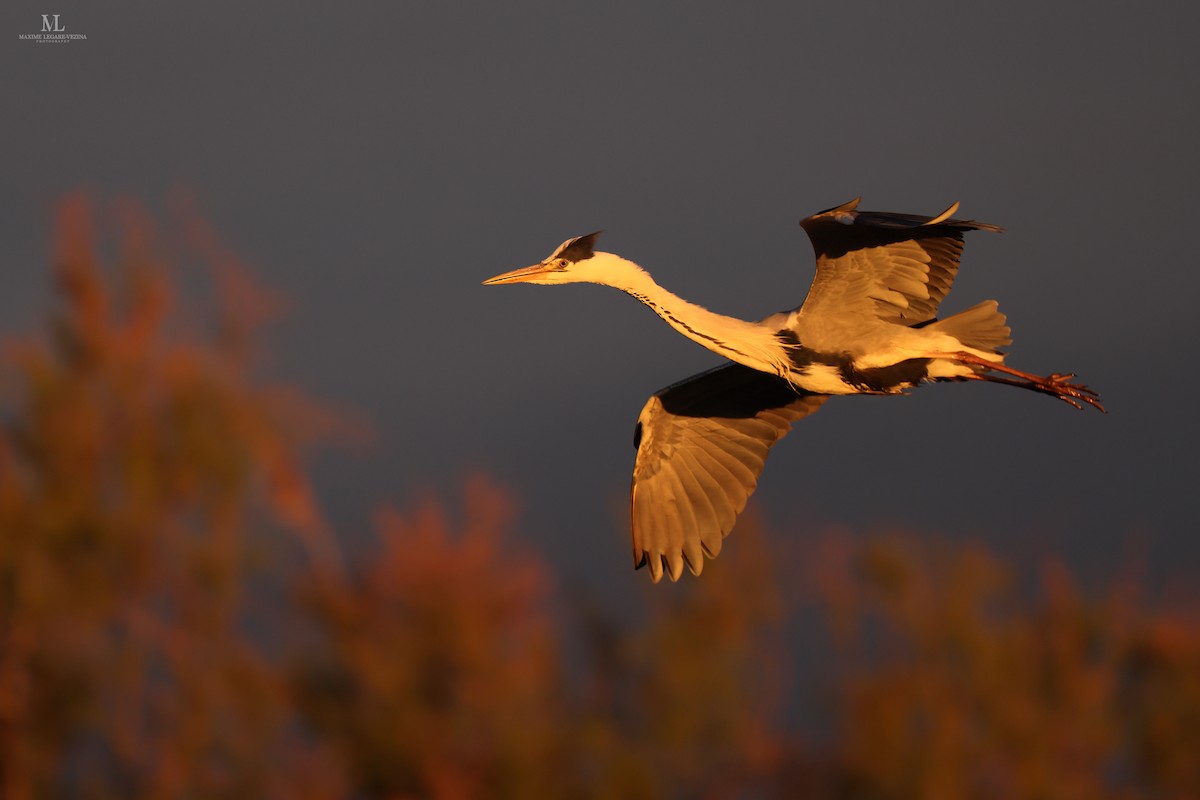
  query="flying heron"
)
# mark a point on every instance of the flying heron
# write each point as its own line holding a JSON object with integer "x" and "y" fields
{"x": 868, "y": 326}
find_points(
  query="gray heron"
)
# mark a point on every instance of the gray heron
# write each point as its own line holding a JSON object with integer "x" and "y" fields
{"x": 867, "y": 326}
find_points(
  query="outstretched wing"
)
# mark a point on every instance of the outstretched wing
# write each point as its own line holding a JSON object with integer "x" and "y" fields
{"x": 874, "y": 265}
{"x": 701, "y": 445}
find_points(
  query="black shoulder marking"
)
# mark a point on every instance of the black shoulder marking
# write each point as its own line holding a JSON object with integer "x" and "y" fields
{"x": 787, "y": 337}
{"x": 885, "y": 380}
{"x": 580, "y": 248}
{"x": 803, "y": 358}
{"x": 889, "y": 379}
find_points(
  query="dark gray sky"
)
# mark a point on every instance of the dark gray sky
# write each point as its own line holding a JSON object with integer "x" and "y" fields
{"x": 377, "y": 160}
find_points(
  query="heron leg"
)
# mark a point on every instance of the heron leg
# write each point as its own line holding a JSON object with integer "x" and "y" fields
{"x": 1056, "y": 384}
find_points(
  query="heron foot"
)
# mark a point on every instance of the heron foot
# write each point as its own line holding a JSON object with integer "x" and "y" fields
{"x": 1056, "y": 384}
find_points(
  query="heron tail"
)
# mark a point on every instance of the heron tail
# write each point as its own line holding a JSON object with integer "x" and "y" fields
{"x": 982, "y": 327}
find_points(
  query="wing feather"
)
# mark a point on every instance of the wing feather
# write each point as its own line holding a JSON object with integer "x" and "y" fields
{"x": 718, "y": 507}
{"x": 684, "y": 512}
{"x": 701, "y": 445}
{"x": 881, "y": 266}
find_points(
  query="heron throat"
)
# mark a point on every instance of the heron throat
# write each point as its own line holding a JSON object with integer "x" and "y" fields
{"x": 749, "y": 343}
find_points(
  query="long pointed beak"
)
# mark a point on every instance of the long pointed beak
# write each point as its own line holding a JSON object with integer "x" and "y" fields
{"x": 518, "y": 275}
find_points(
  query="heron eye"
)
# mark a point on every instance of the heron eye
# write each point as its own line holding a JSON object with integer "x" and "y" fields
{"x": 562, "y": 263}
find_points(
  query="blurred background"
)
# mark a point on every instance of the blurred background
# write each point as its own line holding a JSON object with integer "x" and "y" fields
{"x": 291, "y": 506}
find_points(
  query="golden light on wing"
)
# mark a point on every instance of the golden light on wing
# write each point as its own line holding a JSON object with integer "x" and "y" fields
{"x": 881, "y": 265}
{"x": 701, "y": 445}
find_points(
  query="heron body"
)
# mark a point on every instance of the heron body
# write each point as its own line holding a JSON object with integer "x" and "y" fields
{"x": 867, "y": 326}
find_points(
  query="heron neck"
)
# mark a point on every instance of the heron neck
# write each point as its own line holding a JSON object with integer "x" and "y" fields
{"x": 748, "y": 343}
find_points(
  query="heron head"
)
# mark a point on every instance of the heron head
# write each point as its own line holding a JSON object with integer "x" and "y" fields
{"x": 573, "y": 261}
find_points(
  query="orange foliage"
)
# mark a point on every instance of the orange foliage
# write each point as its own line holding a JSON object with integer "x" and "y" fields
{"x": 176, "y": 619}
{"x": 130, "y": 509}
{"x": 953, "y": 684}
{"x": 438, "y": 672}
